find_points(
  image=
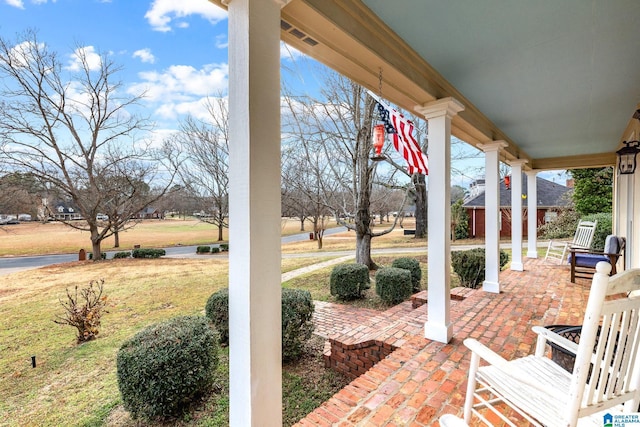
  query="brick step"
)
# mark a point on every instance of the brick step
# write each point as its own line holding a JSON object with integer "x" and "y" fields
{"x": 457, "y": 294}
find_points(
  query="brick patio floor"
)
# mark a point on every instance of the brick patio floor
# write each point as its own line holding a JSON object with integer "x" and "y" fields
{"x": 420, "y": 379}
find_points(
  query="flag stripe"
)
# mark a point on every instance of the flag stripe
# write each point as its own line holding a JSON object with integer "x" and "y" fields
{"x": 403, "y": 140}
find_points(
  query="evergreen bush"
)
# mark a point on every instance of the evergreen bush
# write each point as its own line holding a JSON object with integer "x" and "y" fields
{"x": 224, "y": 247}
{"x": 469, "y": 265}
{"x": 413, "y": 265}
{"x": 103, "y": 255}
{"x": 165, "y": 367}
{"x": 203, "y": 249}
{"x": 215, "y": 249}
{"x": 349, "y": 281}
{"x": 603, "y": 229}
{"x": 217, "y": 310}
{"x": 297, "y": 322}
{"x": 393, "y": 285}
{"x": 125, "y": 254}
{"x": 148, "y": 253}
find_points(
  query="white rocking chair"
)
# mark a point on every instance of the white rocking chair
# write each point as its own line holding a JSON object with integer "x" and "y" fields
{"x": 557, "y": 250}
{"x": 606, "y": 373}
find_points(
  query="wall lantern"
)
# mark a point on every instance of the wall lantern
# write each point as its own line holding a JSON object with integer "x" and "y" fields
{"x": 627, "y": 157}
{"x": 378, "y": 142}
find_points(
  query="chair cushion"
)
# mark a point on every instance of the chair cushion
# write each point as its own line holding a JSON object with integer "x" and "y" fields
{"x": 611, "y": 245}
{"x": 588, "y": 260}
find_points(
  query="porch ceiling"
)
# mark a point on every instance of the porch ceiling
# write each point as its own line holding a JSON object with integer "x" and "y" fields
{"x": 558, "y": 80}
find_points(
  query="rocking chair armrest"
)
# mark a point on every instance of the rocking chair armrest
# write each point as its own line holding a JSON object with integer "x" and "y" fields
{"x": 485, "y": 352}
{"x": 545, "y": 335}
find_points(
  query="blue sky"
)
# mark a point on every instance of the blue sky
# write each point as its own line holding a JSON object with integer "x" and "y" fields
{"x": 174, "y": 49}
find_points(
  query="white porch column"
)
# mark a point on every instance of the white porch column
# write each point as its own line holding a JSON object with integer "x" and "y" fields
{"x": 492, "y": 217}
{"x": 516, "y": 214}
{"x": 532, "y": 212}
{"x": 254, "y": 211}
{"x": 439, "y": 114}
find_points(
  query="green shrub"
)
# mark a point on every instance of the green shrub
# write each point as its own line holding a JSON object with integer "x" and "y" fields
{"x": 217, "y": 310}
{"x": 603, "y": 229}
{"x": 297, "y": 322}
{"x": 413, "y": 265}
{"x": 470, "y": 265}
{"x": 393, "y": 285}
{"x": 349, "y": 281}
{"x": 148, "y": 253}
{"x": 215, "y": 249}
{"x": 203, "y": 249}
{"x": 117, "y": 255}
{"x": 166, "y": 366}
{"x": 224, "y": 247}
{"x": 562, "y": 227}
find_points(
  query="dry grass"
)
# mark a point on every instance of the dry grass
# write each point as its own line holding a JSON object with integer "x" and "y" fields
{"x": 35, "y": 238}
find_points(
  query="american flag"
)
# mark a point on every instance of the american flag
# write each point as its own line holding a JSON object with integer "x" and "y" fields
{"x": 400, "y": 131}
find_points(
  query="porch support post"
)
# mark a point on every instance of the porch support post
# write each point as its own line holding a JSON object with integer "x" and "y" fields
{"x": 254, "y": 211}
{"x": 493, "y": 215}
{"x": 439, "y": 114}
{"x": 516, "y": 214}
{"x": 532, "y": 213}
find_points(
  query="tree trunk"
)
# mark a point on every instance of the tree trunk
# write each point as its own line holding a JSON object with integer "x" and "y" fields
{"x": 95, "y": 243}
{"x": 116, "y": 237}
{"x": 421, "y": 206}
{"x": 363, "y": 251}
{"x": 301, "y": 224}
{"x": 318, "y": 234}
{"x": 220, "y": 228}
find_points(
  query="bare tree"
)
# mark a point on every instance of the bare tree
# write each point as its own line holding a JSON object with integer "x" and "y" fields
{"x": 344, "y": 125}
{"x": 74, "y": 129}
{"x": 206, "y": 173}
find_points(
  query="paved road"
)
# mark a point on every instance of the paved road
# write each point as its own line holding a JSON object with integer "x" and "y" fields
{"x": 9, "y": 265}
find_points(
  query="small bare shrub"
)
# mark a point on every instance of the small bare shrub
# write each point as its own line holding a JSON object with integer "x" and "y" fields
{"x": 83, "y": 310}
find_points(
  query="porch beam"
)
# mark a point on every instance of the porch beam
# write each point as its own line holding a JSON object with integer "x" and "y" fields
{"x": 493, "y": 215}
{"x": 254, "y": 211}
{"x": 439, "y": 115}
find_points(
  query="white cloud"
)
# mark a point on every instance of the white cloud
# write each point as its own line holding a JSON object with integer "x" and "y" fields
{"x": 163, "y": 12}
{"x": 145, "y": 55}
{"x": 222, "y": 42}
{"x": 15, "y": 3}
{"x": 90, "y": 56}
{"x": 180, "y": 89}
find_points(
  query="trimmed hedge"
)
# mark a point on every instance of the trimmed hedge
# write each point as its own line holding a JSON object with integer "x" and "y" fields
{"x": 297, "y": 322}
{"x": 203, "y": 249}
{"x": 413, "y": 265}
{"x": 148, "y": 253}
{"x": 224, "y": 247}
{"x": 297, "y": 319}
{"x": 167, "y": 366}
{"x": 125, "y": 254}
{"x": 217, "y": 310}
{"x": 469, "y": 265}
{"x": 394, "y": 285}
{"x": 103, "y": 255}
{"x": 215, "y": 249}
{"x": 349, "y": 281}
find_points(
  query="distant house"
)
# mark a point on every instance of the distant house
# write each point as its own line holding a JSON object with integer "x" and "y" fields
{"x": 64, "y": 212}
{"x": 551, "y": 197}
{"x": 150, "y": 213}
